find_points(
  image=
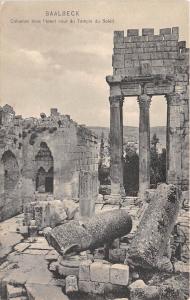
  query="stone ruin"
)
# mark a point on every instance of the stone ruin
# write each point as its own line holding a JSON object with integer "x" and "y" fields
{"x": 119, "y": 247}
{"x": 143, "y": 66}
{"x": 51, "y": 158}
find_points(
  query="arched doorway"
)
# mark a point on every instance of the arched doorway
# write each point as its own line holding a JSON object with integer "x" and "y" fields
{"x": 44, "y": 167}
{"x": 11, "y": 171}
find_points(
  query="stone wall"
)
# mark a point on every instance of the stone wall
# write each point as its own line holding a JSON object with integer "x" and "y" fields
{"x": 101, "y": 277}
{"x": 50, "y": 152}
{"x": 73, "y": 149}
{"x": 10, "y": 163}
{"x": 149, "y": 54}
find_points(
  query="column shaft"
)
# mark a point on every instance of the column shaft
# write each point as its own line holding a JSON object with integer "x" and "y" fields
{"x": 167, "y": 139}
{"x": 144, "y": 143}
{"x": 121, "y": 141}
{"x": 116, "y": 143}
{"x": 174, "y": 159}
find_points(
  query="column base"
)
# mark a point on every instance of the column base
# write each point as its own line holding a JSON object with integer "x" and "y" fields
{"x": 114, "y": 199}
{"x": 122, "y": 192}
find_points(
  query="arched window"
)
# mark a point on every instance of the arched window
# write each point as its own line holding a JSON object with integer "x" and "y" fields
{"x": 44, "y": 166}
{"x": 11, "y": 170}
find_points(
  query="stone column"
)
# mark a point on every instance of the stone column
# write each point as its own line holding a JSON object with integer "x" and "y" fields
{"x": 116, "y": 145}
{"x": 121, "y": 137}
{"x": 144, "y": 143}
{"x": 167, "y": 137}
{"x": 86, "y": 199}
{"x": 173, "y": 142}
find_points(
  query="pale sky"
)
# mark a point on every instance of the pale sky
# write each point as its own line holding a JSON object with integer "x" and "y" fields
{"x": 65, "y": 65}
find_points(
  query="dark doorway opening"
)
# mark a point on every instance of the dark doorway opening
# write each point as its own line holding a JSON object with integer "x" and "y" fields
{"x": 49, "y": 185}
{"x": 44, "y": 161}
{"x": 11, "y": 171}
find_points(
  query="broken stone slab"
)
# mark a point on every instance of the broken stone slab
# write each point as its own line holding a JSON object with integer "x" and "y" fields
{"x": 140, "y": 291}
{"x": 21, "y": 247}
{"x": 119, "y": 274}
{"x": 45, "y": 292}
{"x": 35, "y": 252}
{"x": 71, "y": 284}
{"x": 100, "y": 272}
{"x": 41, "y": 246}
{"x": 13, "y": 291}
{"x": 84, "y": 270}
{"x": 52, "y": 255}
{"x": 66, "y": 271}
{"x": 95, "y": 232}
{"x": 150, "y": 241}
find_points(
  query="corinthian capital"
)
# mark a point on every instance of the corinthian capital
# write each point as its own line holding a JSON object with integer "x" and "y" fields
{"x": 173, "y": 99}
{"x": 144, "y": 100}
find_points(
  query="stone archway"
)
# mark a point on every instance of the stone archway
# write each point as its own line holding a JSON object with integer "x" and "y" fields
{"x": 11, "y": 171}
{"x": 44, "y": 166}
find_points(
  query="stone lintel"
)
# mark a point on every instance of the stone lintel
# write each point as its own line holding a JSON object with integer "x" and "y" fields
{"x": 132, "y": 86}
{"x": 131, "y": 89}
{"x": 142, "y": 79}
{"x": 111, "y": 79}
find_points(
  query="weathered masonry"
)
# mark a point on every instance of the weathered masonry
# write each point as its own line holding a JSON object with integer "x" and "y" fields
{"x": 144, "y": 66}
{"x": 50, "y": 158}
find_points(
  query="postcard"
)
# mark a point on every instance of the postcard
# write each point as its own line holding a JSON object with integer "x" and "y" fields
{"x": 94, "y": 149}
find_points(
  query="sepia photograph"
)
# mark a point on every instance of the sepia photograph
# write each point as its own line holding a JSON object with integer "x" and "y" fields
{"x": 94, "y": 150}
